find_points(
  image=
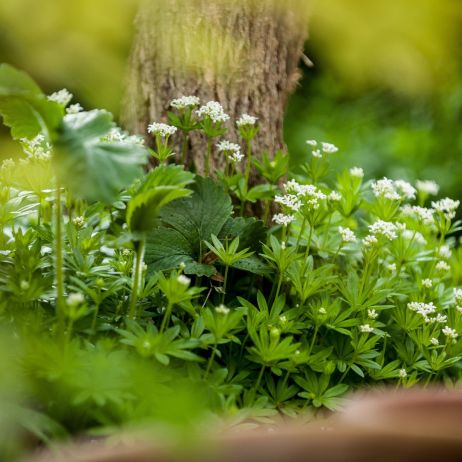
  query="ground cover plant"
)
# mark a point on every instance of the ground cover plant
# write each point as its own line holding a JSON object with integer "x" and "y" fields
{"x": 132, "y": 296}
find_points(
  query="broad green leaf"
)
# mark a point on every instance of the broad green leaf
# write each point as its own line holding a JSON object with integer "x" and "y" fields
{"x": 24, "y": 107}
{"x": 188, "y": 222}
{"x": 90, "y": 168}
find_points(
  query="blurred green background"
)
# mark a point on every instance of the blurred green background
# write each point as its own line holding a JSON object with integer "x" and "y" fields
{"x": 386, "y": 84}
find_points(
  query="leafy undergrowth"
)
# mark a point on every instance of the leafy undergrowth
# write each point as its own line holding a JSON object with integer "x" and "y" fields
{"x": 131, "y": 298}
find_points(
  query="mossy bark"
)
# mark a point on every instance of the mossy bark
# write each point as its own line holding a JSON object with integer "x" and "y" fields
{"x": 242, "y": 53}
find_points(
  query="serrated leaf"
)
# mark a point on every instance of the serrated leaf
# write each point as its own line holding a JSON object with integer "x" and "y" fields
{"x": 187, "y": 223}
{"x": 90, "y": 168}
{"x": 23, "y": 106}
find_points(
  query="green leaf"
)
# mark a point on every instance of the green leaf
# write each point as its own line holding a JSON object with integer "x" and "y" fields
{"x": 24, "y": 107}
{"x": 187, "y": 223}
{"x": 90, "y": 168}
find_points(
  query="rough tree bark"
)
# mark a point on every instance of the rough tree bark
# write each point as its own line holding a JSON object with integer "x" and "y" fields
{"x": 242, "y": 53}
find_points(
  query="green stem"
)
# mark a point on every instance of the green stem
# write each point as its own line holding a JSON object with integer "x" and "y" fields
{"x": 315, "y": 333}
{"x": 260, "y": 376}
{"x": 209, "y": 155}
{"x": 210, "y": 362}
{"x": 224, "y": 284}
{"x": 248, "y": 164}
{"x": 166, "y": 317}
{"x": 302, "y": 230}
{"x": 137, "y": 273}
{"x": 59, "y": 259}
{"x": 184, "y": 149}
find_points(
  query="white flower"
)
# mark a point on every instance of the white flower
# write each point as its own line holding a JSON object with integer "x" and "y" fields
{"x": 447, "y": 207}
{"x": 450, "y": 333}
{"x": 434, "y": 341}
{"x": 402, "y": 373}
{"x": 228, "y": 147}
{"x": 334, "y": 196}
{"x": 317, "y": 153}
{"x": 442, "y": 266}
{"x": 126, "y": 252}
{"x": 75, "y": 299}
{"x": 24, "y": 285}
{"x": 366, "y": 328}
{"x": 445, "y": 252}
{"x": 183, "y": 280}
{"x": 370, "y": 241}
{"x": 424, "y": 309}
{"x": 329, "y": 148}
{"x": 372, "y": 314}
{"x": 347, "y": 234}
{"x": 161, "y": 129}
{"x": 282, "y": 219}
{"x": 185, "y": 102}
{"x": 283, "y": 319}
{"x": 413, "y": 236}
{"x": 391, "y": 267}
{"x": 458, "y": 296}
{"x": 309, "y": 194}
{"x": 420, "y": 213}
{"x": 428, "y": 283}
{"x": 405, "y": 189}
{"x": 441, "y": 318}
{"x": 322, "y": 310}
{"x": 312, "y": 143}
{"x": 236, "y": 157}
{"x": 357, "y": 172}
{"x": 385, "y": 188}
{"x": 74, "y": 109}
{"x": 214, "y": 111}
{"x": 290, "y": 201}
{"x": 78, "y": 221}
{"x": 37, "y": 148}
{"x": 62, "y": 97}
{"x": 246, "y": 120}
{"x": 427, "y": 186}
{"x": 221, "y": 309}
{"x": 383, "y": 228}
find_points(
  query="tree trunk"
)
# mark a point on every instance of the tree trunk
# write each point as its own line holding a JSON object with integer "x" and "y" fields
{"x": 241, "y": 53}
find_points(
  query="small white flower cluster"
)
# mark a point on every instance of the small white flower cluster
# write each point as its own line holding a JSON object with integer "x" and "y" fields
{"x": 442, "y": 266}
{"x": 37, "y": 148}
{"x": 161, "y": 129}
{"x": 370, "y": 241}
{"x": 458, "y": 298}
{"x": 393, "y": 190}
{"x": 347, "y": 234}
{"x": 366, "y": 328}
{"x": 232, "y": 150}
{"x": 357, "y": 172}
{"x": 74, "y": 109}
{"x": 221, "y": 309}
{"x": 309, "y": 194}
{"x": 185, "y": 102}
{"x": 334, "y": 196}
{"x": 450, "y": 333}
{"x": 78, "y": 221}
{"x": 6, "y": 165}
{"x": 282, "y": 219}
{"x": 75, "y": 299}
{"x": 415, "y": 236}
{"x": 383, "y": 228}
{"x": 434, "y": 341}
{"x": 321, "y": 148}
{"x": 427, "y": 187}
{"x": 116, "y": 135}
{"x": 246, "y": 120}
{"x": 425, "y": 310}
{"x": 445, "y": 252}
{"x": 402, "y": 373}
{"x": 447, "y": 207}
{"x": 183, "y": 280}
{"x": 427, "y": 283}
{"x": 62, "y": 97}
{"x": 290, "y": 201}
{"x": 420, "y": 213}
{"x": 214, "y": 111}
{"x": 372, "y": 314}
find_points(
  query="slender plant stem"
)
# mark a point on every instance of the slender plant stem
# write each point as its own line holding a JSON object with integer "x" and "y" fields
{"x": 137, "y": 273}
{"x": 315, "y": 333}
{"x": 184, "y": 149}
{"x": 59, "y": 259}
{"x": 166, "y": 317}
{"x": 302, "y": 230}
{"x": 210, "y": 362}
{"x": 260, "y": 376}
{"x": 224, "y": 284}
{"x": 209, "y": 155}
{"x": 247, "y": 175}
